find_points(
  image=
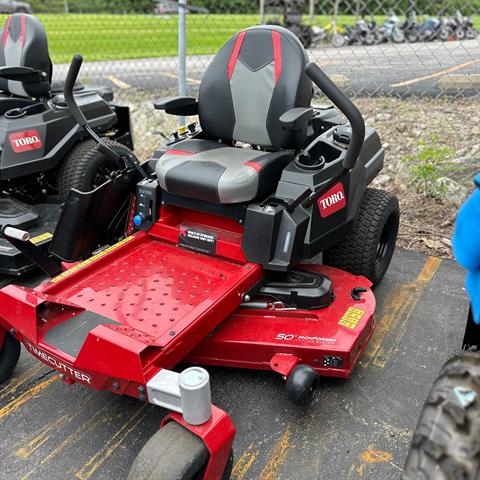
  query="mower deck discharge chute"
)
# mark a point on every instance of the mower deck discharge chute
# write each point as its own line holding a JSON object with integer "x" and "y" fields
{"x": 227, "y": 216}
{"x": 43, "y": 151}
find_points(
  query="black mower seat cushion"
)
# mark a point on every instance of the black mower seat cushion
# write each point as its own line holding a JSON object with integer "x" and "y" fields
{"x": 218, "y": 173}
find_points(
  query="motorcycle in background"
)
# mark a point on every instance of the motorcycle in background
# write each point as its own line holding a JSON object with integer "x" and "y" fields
{"x": 391, "y": 30}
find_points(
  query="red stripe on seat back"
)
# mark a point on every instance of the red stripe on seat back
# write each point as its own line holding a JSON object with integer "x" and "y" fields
{"x": 5, "y": 32}
{"x": 23, "y": 30}
{"x": 277, "y": 54}
{"x": 235, "y": 54}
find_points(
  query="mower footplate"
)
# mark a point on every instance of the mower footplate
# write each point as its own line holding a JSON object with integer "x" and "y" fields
{"x": 129, "y": 311}
{"x": 330, "y": 339}
{"x": 14, "y": 262}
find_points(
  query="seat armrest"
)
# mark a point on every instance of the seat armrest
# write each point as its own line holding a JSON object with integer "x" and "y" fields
{"x": 296, "y": 118}
{"x": 181, "y": 106}
{"x": 22, "y": 74}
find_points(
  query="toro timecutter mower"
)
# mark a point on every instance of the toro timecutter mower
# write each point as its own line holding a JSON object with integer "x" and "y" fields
{"x": 43, "y": 151}
{"x": 226, "y": 215}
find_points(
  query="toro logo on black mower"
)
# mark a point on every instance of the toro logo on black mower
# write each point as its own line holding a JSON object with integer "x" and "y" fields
{"x": 25, "y": 141}
{"x": 333, "y": 201}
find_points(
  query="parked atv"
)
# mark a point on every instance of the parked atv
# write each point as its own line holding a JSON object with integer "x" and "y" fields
{"x": 43, "y": 152}
{"x": 446, "y": 443}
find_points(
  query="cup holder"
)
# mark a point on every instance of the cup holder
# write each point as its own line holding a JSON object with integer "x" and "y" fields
{"x": 15, "y": 113}
{"x": 309, "y": 162}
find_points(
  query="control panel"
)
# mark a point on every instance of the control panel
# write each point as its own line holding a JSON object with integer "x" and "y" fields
{"x": 183, "y": 132}
{"x": 147, "y": 206}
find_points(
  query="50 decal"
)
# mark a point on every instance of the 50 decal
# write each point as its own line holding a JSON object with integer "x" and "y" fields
{"x": 288, "y": 337}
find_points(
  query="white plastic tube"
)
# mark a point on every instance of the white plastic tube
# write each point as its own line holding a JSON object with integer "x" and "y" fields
{"x": 16, "y": 234}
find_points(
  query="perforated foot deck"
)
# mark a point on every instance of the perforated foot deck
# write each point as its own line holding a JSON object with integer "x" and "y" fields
{"x": 156, "y": 290}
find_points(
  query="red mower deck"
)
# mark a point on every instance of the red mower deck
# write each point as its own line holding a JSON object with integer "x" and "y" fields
{"x": 329, "y": 339}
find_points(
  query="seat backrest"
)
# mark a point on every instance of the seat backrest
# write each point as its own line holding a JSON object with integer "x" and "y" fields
{"x": 257, "y": 76}
{"x": 24, "y": 44}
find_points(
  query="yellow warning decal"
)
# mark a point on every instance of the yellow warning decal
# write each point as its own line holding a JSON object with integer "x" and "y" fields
{"x": 41, "y": 238}
{"x": 90, "y": 260}
{"x": 351, "y": 317}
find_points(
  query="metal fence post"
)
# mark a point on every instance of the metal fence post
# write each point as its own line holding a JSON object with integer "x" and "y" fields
{"x": 311, "y": 11}
{"x": 182, "y": 52}
{"x": 262, "y": 12}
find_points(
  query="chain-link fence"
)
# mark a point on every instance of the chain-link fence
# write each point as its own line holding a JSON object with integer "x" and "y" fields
{"x": 371, "y": 48}
{"x": 382, "y": 47}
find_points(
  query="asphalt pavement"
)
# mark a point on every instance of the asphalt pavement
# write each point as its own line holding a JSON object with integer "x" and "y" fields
{"x": 387, "y": 69}
{"x": 357, "y": 428}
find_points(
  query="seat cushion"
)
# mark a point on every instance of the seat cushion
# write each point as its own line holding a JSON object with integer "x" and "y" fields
{"x": 218, "y": 173}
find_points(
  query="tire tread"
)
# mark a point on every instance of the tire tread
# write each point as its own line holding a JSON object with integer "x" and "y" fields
{"x": 357, "y": 252}
{"x": 446, "y": 443}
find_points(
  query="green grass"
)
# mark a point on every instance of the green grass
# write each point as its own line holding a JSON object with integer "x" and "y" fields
{"x": 119, "y": 37}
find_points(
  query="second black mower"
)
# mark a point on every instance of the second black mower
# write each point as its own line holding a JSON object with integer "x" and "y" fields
{"x": 44, "y": 153}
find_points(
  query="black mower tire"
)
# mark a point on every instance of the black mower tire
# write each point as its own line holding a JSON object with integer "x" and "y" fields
{"x": 369, "y": 248}
{"x": 302, "y": 385}
{"x": 446, "y": 441}
{"x": 173, "y": 453}
{"x": 82, "y": 165}
{"x": 9, "y": 355}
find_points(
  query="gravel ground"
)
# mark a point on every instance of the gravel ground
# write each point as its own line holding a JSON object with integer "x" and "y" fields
{"x": 427, "y": 223}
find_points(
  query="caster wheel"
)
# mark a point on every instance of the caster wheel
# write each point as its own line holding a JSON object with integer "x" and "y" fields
{"x": 174, "y": 453}
{"x": 9, "y": 355}
{"x": 302, "y": 385}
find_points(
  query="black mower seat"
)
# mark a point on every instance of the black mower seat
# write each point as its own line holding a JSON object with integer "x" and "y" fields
{"x": 252, "y": 81}
{"x": 24, "y": 44}
{"x": 217, "y": 173}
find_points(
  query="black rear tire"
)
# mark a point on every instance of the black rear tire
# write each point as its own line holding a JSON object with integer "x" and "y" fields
{"x": 85, "y": 167}
{"x": 173, "y": 453}
{"x": 9, "y": 355}
{"x": 446, "y": 442}
{"x": 369, "y": 248}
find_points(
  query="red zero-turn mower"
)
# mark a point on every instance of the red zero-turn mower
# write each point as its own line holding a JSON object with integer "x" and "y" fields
{"x": 226, "y": 215}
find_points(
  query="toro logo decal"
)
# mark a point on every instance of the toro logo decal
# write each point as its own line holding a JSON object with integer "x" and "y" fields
{"x": 333, "y": 201}
{"x": 25, "y": 141}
